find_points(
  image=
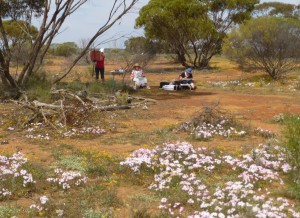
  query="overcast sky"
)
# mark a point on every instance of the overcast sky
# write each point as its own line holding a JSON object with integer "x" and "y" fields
{"x": 84, "y": 23}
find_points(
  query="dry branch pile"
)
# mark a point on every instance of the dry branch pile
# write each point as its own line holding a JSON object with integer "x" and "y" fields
{"x": 209, "y": 114}
{"x": 213, "y": 121}
{"x": 75, "y": 109}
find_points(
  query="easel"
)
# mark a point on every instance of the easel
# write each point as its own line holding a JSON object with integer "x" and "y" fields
{"x": 94, "y": 56}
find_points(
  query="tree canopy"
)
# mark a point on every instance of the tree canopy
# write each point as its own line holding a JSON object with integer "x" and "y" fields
{"x": 66, "y": 49}
{"x": 143, "y": 45}
{"x": 19, "y": 31}
{"x": 277, "y": 9}
{"x": 172, "y": 22}
{"x": 193, "y": 26}
{"x": 15, "y": 9}
{"x": 269, "y": 44}
{"x": 20, "y": 36}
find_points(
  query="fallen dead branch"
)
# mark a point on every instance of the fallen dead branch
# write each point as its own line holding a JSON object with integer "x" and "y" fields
{"x": 65, "y": 93}
{"x": 112, "y": 107}
{"x": 144, "y": 99}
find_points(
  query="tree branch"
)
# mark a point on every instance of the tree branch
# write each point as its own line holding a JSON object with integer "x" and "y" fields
{"x": 108, "y": 24}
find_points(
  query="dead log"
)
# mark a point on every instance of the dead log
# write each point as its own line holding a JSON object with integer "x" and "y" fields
{"x": 64, "y": 93}
{"x": 45, "y": 105}
{"x": 112, "y": 107}
{"x": 144, "y": 99}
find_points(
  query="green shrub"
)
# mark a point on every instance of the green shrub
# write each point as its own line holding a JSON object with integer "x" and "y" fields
{"x": 111, "y": 86}
{"x": 292, "y": 141}
{"x": 139, "y": 211}
{"x": 292, "y": 144}
{"x": 110, "y": 198}
{"x": 144, "y": 197}
{"x": 95, "y": 87}
{"x": 9, "y": 211}
{"x": 66, "y": 49}
{"x": 76, "y": 86}
{"x": 71, "y": 162}
{"x": 98, "y": 213}
{"x": 99, "y": 162}
{"x": 122, "y": 98}
{"x": 38, "y": 87}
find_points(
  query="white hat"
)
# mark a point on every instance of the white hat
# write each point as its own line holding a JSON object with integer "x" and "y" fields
{"x": 102, "y": 50}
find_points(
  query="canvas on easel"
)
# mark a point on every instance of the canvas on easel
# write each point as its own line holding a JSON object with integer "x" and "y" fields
{"x": 95, "y": 55}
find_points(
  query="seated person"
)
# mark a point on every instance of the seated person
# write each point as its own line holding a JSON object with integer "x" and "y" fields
{"x": 187, "y": 74}
{"x": 138, "y": 77}
{"x": 186, "y": 78}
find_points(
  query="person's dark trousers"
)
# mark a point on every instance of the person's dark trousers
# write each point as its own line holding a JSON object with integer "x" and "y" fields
{"x": 101, "y": 71}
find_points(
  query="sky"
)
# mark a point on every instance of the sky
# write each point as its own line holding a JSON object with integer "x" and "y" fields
{"x": 85, "y": 22}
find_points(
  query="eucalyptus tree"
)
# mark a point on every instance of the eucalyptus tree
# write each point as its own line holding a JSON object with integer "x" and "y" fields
{"x": 20, "y": 35}
{"x": 277, "y": 9}
{"x": 268, "y": 44}
{"x": 223, "y": 16}
{"x": 66, "y": 49}
{"x": 139, "y": 50}
{"x": 171, "y": 22}
{"x": 193, "y": 29}
{"x": 53, "y": 14}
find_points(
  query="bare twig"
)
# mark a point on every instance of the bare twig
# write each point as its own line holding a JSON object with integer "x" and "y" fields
{"x": 63, "y": 113}
{"x": 46, "y": 120}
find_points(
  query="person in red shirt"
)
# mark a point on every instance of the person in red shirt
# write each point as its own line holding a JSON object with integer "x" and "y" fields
{"x": 99, "y": 68}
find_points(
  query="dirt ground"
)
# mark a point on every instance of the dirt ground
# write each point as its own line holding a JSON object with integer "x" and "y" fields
{"x": 255, "y": 107}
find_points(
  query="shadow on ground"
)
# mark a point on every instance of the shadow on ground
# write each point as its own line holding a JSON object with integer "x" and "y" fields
{"x": 159, "y": 94}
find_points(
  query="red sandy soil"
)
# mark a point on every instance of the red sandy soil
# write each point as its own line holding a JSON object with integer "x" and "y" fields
{"x": 251, "y": 107}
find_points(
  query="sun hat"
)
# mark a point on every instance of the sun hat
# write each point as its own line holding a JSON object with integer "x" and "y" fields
{"x": 102, "y": 50}
{"x": 189, "y": 70}
{"x": 136, "y": 65}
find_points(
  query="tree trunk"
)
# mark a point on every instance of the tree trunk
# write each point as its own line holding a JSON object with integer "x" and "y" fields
{"x": 203, "y": 63}
{"x": 181, "y": 58}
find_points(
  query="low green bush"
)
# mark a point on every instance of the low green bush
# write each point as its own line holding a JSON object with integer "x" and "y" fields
{"x": 292, "y": 145}
{"x": 9, "y": 211}
{"x": 38, "y": 87}
{"x": 98, "y": 213}
{"x": 70, "y": 162}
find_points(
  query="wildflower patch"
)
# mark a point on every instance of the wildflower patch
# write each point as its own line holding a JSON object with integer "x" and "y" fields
{"x": 67, "y": 179}
{"x": 265, "y": 133}
{"x": 13, "y": 175}
{"x": 182, "y": 176}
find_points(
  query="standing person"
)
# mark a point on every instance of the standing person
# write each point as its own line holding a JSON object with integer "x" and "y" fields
{"x": 138, "y": 77}
{"x": 99, "y": 68}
